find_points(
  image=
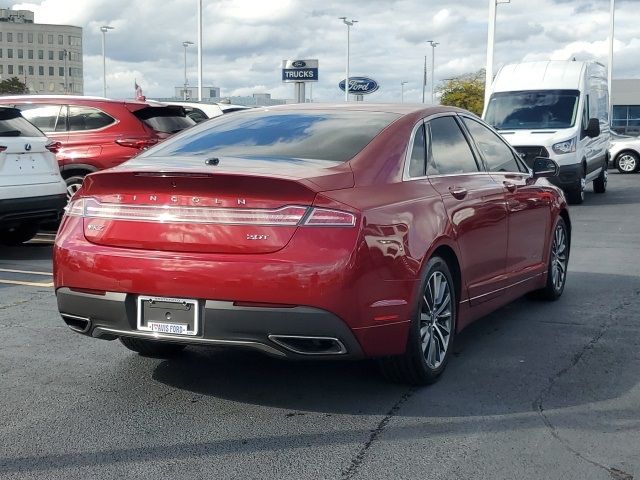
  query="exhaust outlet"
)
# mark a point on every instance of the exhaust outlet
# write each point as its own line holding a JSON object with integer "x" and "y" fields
{"x": 305, "y": 345}
{"x": 76, "y": 323}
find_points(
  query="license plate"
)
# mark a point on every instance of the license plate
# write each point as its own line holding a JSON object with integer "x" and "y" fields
{"x": 170, "y": 316}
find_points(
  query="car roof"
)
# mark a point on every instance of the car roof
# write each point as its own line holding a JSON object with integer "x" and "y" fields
{"x": 397, "y": 108}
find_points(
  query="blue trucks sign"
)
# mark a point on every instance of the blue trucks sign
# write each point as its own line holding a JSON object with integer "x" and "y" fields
{"x": 299, "y": 71}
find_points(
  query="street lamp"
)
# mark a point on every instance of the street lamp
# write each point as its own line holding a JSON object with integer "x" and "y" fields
{"x": 199, "y": 50}
{"x": 349, "y": 24}
{"x": 612, "y": 11}
{"x": 402, "y": 84}
{"x": 433, "y": 44}
{"x": 186, "y": 82}
{"x": 104, "y": 30}
{"x": 491, "y": 36}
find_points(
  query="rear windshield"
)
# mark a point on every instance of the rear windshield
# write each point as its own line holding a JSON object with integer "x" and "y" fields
{"x": 13, "y": 125}
{"x": 318, "y": 135}
{"x": 533, "y": 110}
{"x": 165, "y": 119}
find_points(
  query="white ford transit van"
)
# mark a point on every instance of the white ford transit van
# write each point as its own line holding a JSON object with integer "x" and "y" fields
{"x": 556, "y": 109}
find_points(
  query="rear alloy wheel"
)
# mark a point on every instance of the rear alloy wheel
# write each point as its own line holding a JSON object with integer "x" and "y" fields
{"x": 151, "y": 348}
{"x": 558, "y": 263}
{"x": 431, "y": 331}
{"x": 18, "y": 235}
{"x": 73, "y": 185}
{"x": 600, "y": 183}
{"x": 628, "y": 162}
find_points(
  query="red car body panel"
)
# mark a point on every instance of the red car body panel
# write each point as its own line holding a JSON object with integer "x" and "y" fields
{"x": 368, "y": 275}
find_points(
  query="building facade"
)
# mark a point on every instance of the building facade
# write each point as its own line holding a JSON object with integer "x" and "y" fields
{"x": 47, "y": 58}
{"x": 191, "y": 93}
{"x": 625, "y": 99}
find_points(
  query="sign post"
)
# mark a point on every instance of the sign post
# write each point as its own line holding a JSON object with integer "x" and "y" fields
{"x": 299, "y": 72}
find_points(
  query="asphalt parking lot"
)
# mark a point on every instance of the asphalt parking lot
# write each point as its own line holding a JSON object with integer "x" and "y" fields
{"x": 535, "y": 390}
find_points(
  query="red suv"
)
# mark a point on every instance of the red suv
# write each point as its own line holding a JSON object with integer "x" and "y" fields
{"x": 97, "y": 133}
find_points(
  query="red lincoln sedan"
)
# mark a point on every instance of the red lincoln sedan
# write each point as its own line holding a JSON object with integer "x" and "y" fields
{"x": 344, "y": 231}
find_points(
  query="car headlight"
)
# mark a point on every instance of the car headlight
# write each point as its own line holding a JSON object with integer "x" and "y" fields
{"x": 568, "y": 146}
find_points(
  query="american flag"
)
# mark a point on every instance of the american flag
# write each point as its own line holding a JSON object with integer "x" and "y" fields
{"x": 138, "y": 88}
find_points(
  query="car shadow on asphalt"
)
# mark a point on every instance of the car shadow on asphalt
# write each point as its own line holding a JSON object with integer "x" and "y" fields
{"x": 501, "y": 364}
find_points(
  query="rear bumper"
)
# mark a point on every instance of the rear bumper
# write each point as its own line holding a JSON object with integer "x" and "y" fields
{"x": 16, "y": 211}
{"x": 280, "y": 332}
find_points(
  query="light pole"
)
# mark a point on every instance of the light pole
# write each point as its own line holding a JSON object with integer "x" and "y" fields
{"x": 433, "y": 44}
{"x": 349, "y": 24}
{"x": 402, "y": 84}
{"x": 186, "y": 82}
{"x": 610, "y": 71}
{"x": 491, "y": 37}
{"x": 104, "y": 30}
{"x": 199, "y": 50}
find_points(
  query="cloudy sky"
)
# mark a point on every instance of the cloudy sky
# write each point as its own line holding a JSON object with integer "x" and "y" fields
{"x": 245, "y": 41}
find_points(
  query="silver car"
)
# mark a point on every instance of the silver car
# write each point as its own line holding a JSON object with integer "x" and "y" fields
{"x": 624, "y": 153}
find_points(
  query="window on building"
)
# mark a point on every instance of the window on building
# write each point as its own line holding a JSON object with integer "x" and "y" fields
{"x": 40, "y": 54}
{"x": 50, "y": 54}
{"x": 10, "y": 69}
{"x": 20, "y": 69}
{"x": 60, "y": 40}
{"x": 41, "y": 72}
{"x": 30, "y": 37}
{"x": 30, "y": 69}
{"x": 1, "y": 69}
{"x": 30, "y": 54}
{"x": 20, "y": 37}
{"x": 41, "y": 41}
{"x": 52, "y": 86}
{"x": 20, "y": 53}
{"x": 0, "y": 53}
{"x": 75, "y": 41}
{"x": 61, "y": 87}
{"x": 9, "y": 37}
{"x": 0, "y": 36}
{"x": 61, "y": 71}
{"x": 51, "y": 71}
{"x": 41, "y": 86}
{"x": 9, "y": 52}
{"x": 50, "y": 42}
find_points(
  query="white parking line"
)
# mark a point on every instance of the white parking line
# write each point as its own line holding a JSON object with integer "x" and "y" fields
{"x": 26, "y": 272}
{"x": 27, "y": 284}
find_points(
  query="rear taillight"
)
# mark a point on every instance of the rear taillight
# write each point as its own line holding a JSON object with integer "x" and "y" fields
{"x": 290, "y": 215}
{"x": 53, "y": 147}
{"x": 139, "y": 143}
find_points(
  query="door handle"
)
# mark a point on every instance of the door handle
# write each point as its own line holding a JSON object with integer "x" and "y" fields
{"x": 510, "y": 186}
{"x": 458, "y": 192}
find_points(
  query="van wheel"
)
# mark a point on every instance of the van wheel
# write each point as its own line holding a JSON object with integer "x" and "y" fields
{"x": 431, "y": 332}
{"x": 600, "y": 183}
{"x": 73, "y": 185}
{"x": 627, "y": 162}
{"x": 576, "y": 196}
{"x": 18, "y": 235}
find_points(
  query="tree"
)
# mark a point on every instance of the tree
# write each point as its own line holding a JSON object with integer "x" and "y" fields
{"x": 13, "y": 86}
{"x": 465, "y": 91}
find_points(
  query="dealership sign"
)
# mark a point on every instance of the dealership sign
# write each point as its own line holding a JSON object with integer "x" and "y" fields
{"x": 299, "y": 71}
{"x": 360, "y": 85}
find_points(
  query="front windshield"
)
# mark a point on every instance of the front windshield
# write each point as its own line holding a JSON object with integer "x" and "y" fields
{"x": 533, "y": 110}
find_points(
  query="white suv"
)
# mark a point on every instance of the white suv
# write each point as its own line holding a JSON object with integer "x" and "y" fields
{"x": 31, "y": 188}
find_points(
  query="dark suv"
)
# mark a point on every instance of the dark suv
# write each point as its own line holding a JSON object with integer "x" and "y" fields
{"x": 97, "y": 133}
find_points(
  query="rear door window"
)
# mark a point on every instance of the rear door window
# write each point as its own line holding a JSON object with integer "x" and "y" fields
{"x": 13, "y": 125}
{"x": 165, "y": 119}
{"x": 87, "y": 118}
{"x": 45, "y": 117}
{"x": 449, "y": 151}
{"x": 418, "y": 154}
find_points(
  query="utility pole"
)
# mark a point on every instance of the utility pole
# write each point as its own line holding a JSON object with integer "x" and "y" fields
{"x": 349, "y": 24}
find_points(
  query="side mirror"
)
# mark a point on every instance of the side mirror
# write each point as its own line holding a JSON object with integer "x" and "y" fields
{"x": 593, "y": 128}
{"x": 545, "y": 167}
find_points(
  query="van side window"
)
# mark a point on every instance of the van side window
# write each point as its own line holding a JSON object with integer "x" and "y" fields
{"x": 496, "y": 153}
{"x": 418, "y": 154}
{"x": 585, "y": 114}
{"x": 449, "y": 151}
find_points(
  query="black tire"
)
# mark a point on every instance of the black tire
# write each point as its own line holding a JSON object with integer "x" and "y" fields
{"x": 151, "y": 348}
{"x": 413, "y": 367}
{"x": 18, "y": 235}
{"x": 558, "y": 259}
{"x": 575, "y": 196}
{"x": 73, "y": 185}
{"x": 627, "y": 162}
{"x": 600, "y": 183}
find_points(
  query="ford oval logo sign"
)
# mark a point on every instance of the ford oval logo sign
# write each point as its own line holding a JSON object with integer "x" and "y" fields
{"x": 299, "y": 64}
{"x": 360, "y": 85}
